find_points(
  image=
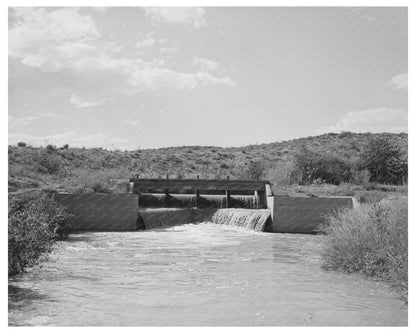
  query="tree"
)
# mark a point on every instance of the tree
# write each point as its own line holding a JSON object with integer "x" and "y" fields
{"x": 383, "y": 158}
{"x": 313, "y": 166}
{"x": 254, "y": 170}
{"x": 21, "y": 144}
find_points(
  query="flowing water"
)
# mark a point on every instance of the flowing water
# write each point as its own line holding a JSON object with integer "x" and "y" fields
{"x": 252, "y": 219}
{"x": 196, "y": 274}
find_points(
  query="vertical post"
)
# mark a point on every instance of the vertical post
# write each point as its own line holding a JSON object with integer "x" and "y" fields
{"x": 197, "y": 194}
{"x": 257, "y": 196}
{"x": 227, "y": 198}
{"x": 196, "y": 198}
{"x": 167, "y": 194}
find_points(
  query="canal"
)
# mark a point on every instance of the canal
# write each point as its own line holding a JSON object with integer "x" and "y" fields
{"x": 196, "y": 275}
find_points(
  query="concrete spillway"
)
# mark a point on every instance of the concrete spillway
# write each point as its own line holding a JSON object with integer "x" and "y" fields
{"x": 163, "y": 203}
{"x": 254, "y": 219}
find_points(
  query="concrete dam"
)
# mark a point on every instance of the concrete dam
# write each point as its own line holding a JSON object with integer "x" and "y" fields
{"x": 155, "y": 203}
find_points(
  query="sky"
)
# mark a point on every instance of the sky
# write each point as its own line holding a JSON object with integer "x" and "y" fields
{"x": 135, "y": 78}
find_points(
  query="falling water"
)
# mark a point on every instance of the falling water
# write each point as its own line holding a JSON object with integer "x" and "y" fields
{"x": 254, "y": 219}
{"x": 245, "y": 201}
{"x": 166, "y": 217}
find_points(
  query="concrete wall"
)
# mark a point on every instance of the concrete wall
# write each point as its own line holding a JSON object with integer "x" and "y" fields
{"x": 304, "y": 214}
{"x": 110, "y": 212}
{"x": 120, "y": 212}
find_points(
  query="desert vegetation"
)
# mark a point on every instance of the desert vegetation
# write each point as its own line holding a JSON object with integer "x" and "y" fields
{"x": 371, "y": 239}
{"x": 332, "y": 159}
{"x": 35, "y": 222}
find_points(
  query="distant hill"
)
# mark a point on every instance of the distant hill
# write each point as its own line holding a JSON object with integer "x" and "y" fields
{"x": 81, "y": 169}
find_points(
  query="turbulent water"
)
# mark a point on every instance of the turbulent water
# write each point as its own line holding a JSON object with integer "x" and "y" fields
{"x": 196, "y": 274}
{"x": 253, "y": 219}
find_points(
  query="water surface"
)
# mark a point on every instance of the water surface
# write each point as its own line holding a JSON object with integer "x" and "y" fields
{"x": 196, "y": 274}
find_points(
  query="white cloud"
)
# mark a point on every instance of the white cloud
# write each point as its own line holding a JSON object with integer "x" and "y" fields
{"x": 169, "y": 50}
{"x": 205, "y": 64}
{"x": 130, "y": 122}
{"x": 18, "y": 122}
{"x": 80, "y": 103}
{"x": 51, "y": 40}
{"x": 400, "y": 81}
{"x": 148, "y": 41}
{"x": 181, "y": 15}
{"x": 155, "y": 78}
{"x": 372, "y": 120}
{"x": 72, "y": 138}
{"x": 50, "y": 115}
{"x": 208, "y": 79}
{"x": 100, "y": 9}
{"x": 63, "y": 40}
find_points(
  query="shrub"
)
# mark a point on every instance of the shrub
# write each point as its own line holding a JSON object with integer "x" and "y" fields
{"x": 345, "y": 134}
{"x": 360, "y": 177}
{"x": 383, "y": 158}
{"x": 49, "y": 162}
{"x": 35, "y": 222}
{"x": 100, "y": 187}
{"x": 50, "y": 148}
{"x": 21, "y": 144}
{"x": 224, "y": 166}
{"x": 254, "y": 170}
{"x": 282, "y": 174}
{"x": 371, "y": 239}
{"x": 65, "y": 146}
{"x": 311, "y": 166}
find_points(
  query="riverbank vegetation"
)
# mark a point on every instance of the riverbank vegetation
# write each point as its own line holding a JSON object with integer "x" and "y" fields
{"x": 35, "y": 222}
{"x": 371, "y": 239}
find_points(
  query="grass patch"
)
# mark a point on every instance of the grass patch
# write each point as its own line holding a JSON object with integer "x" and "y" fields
{"x": 371, "y": 239}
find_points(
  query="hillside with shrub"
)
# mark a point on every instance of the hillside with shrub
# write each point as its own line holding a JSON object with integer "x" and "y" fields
{"x": 332, "y": 159}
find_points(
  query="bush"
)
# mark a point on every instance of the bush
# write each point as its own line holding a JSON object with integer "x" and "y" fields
{"x": 345, "y": 134}
{"x": 371, "y": 239}
{"x": 99, "y": 181}
{"x": 49, "y": 162}
{"x": 35, "y": 222}
{"x": 311, "y": 166}
{"x": 65, "y": 146}
{"x": 50, "y": 148}
{"x": 254, "y": 170}
{"x": 360, "y": 177}
{"x": 282, "y": 174}
{"x": 100, "y": 187}
{"x": 21, "y": 144}
{"x": 384, "y": 160}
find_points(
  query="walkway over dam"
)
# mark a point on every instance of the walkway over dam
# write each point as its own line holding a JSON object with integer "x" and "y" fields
{"x": 202, "y": 193}
{"x": 154, "y": 203}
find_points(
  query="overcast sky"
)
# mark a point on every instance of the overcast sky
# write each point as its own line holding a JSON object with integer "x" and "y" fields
{"x": 154, "y": 77}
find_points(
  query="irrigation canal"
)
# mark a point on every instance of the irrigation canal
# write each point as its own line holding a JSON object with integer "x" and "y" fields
{"x": 196, "y": 275}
